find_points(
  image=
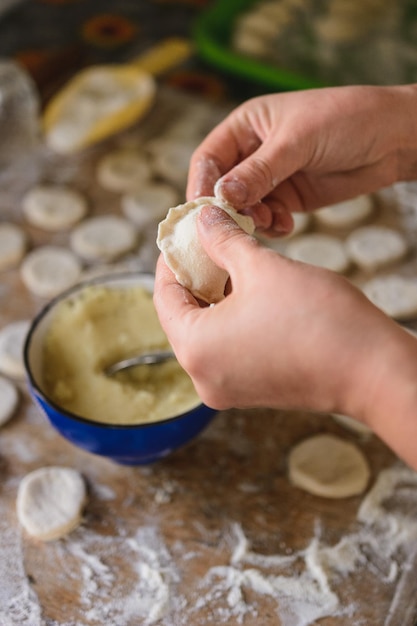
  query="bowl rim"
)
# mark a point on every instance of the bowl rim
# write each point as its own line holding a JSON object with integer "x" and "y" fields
{"x": 65, "y": 412}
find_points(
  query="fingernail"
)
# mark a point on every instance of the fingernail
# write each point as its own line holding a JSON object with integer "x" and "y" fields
{"x": 232, "y": 191}
{"x": 283, "y": 222}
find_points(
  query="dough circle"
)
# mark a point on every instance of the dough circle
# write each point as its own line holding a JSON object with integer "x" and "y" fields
{"x": 49, "y": 270}
{"x": 50, "y": 502}
{"x": 327, "y": 466}
{"x": 9, "y": 399}
{"x": 394, "y": 294}
{"x": 345, "y": 214}
{"x": 12, "y": 340}
{"x": 321, "y": 250}
{"x": 122, "y": 170}
{"x": 53, "y": 207}
{"x": 352, "y": 424}
{"x": 12, "y": 245}
{"x": 183, "y": 253}
{"x": 104, "y": 237}
{"x": 373, "y": 247}
{"x": 148, "y": 203}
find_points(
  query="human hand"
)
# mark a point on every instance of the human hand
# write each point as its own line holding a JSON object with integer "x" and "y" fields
{"x": 299, "y": 151}
{"x": 288, "y": 335}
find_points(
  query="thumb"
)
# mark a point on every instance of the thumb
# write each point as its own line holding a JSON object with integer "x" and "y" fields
{"x": 223, "y": 239}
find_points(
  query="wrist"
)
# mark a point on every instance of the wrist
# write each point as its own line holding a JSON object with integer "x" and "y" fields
{"x": 389, "y": 405}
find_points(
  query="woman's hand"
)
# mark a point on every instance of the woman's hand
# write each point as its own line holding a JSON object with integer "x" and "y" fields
{"x": 299, "y": 151}
{"x": 290, "y": 336}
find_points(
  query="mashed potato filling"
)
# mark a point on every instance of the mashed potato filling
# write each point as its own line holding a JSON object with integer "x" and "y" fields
{"x": 97, "y": 327}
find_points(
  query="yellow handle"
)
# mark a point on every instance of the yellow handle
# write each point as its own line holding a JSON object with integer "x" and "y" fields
{"x": 164, "y": 55}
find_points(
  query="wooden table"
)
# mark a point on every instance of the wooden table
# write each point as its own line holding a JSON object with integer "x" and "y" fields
{"x": 166, "y": 543}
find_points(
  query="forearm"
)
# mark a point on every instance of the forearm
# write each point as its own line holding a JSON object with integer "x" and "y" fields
{"x": 390, "y": 406}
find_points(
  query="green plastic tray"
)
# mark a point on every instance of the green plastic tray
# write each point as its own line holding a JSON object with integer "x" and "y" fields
{"x": 212, "y": 31}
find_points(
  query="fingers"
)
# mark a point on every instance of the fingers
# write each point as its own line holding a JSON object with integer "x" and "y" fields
{"x": 223, "y": 240}
{"x": 251, "y": 152}
{"x": 172, "y": 302}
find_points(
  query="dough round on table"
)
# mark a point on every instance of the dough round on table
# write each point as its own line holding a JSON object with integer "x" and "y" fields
{"x": 53, "y": 207}
{"x": 321, "y": 250}
{"x": 9, "y": 399}
{"x": 122, "y": 170}
{"x": 49, "y": 270}
{"x": 183, "y": 253}
{"x": 104, "y": 237}
{"x": 12, "y": 245}
{"x": 372, "y": 247}
{"x": 148, "y": 203}
{"x": 346, "y": 214}
{"x": 50, "y": 502}
{"x": 352, "y": 424}
{"x": 301, "y": 223}
{"x": 171, "y": 161}
{"x": 327, "y": 466}
{"x": 12, "y": 341}
{"x": 394, "y": 294}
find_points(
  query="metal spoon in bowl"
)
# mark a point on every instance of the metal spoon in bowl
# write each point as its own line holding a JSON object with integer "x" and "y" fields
{"x": 146, "y": 358}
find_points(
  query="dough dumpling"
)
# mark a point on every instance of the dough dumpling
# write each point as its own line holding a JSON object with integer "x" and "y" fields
{"x": 179, "y": 243}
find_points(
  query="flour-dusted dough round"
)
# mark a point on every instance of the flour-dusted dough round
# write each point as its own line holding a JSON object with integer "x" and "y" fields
{"x": 372, "y": 247}
{"x": 50, "y": 502}
{"x": 49, "y": 270}
{"x": 183, "y": 253}
{"x": 327, "y": 466}
{"x": 171, "y": 161}
{"x": 346, "y": 214}
{"x": 9, "y": 399}
{"x": 104, "y": 238}
{"x": 12, "y": 245}
{"x": 122, "y": 170}
{"x": 394, "y": 294}
{"x": 12, "y": 340}
{"x": 352, "y": 424}
{"x": 321, "y": 250}
{"x": 301, "y": 223}
{"x": 53, "y": 207}
{"x": 148, "y": 203}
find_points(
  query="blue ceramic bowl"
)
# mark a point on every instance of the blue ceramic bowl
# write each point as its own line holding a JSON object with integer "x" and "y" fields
{"x": 132, "y": 444}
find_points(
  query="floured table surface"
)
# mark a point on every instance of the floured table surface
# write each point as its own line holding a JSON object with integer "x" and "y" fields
{"x": 215, "y": 533}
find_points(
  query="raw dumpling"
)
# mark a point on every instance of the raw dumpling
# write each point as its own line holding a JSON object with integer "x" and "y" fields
{"x": 179, "y": 243}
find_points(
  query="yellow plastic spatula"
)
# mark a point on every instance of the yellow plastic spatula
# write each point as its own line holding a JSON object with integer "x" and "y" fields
{"x": 104, "y": 99}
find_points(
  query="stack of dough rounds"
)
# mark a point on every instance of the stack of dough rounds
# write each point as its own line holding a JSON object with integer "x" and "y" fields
{"x": 122, "y": 170}
{"x": 104, "y": 238}
{"x": 49, "y": 270}
{"x": 9, "y": 399}
{"x": 12, "y": 340}
{"x": 321, "y": 250}
{"x": 373, "y": 247}
{"x": 394, "y": 294}
{"x": 50, "y": 502}
{"x": 12, "y": 245}
{"x": 327, "y": 466}
{"x": 346, "y": 214}
{"x": 148, "y": 203}
{"x": 183, "y": 253}
{"x": 53, "y": 207}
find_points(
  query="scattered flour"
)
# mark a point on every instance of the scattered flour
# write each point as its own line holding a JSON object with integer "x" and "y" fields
{"x": 301, "y": 585}
{"x": 19, "y": 604}
{"x": 305, "y": 597}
